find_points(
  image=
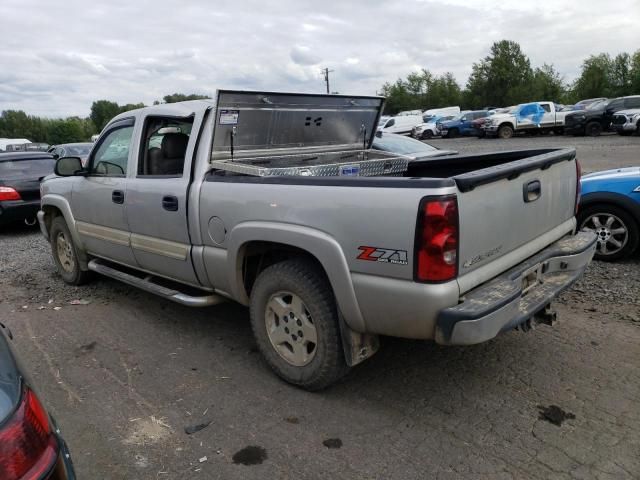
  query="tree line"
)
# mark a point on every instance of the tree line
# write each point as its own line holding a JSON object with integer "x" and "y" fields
{"x": 505, "y": 77}
{"x": 17, "y": 124}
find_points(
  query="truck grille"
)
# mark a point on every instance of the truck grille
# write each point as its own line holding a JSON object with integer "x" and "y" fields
{"x": 619, "y": 120}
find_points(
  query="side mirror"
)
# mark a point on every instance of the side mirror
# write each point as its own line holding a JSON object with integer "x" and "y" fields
{"x": 67, "y": 166}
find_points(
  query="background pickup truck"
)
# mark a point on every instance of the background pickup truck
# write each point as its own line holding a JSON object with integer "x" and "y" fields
{"x": 277, "y": 202}
{"x": 536, "y": 117}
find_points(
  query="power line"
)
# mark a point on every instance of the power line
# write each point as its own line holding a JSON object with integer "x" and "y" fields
{"x": 326, "y": 72}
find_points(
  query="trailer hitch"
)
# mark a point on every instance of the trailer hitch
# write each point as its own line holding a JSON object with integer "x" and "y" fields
{"x": 546, "y": 316}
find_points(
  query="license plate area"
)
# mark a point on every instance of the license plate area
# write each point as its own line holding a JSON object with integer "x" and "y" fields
{"x": 532, "y": 278}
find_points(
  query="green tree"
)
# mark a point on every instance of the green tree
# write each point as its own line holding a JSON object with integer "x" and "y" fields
{"x": 102, "y": 111}
{"x": 595, "y": 78}
{"x": 620, "y": 75}
{"x": 634, "y": 74}
{"x": 547, "y": 84}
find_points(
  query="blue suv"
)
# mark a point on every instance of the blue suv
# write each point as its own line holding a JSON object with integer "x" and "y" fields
{"x": 462, "y": 124}
{"x": 610, "y": 206}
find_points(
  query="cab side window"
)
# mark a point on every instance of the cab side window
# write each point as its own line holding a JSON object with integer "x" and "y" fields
{"x": 546, "y": 107}
{"x": 113, "y": 153}
{"x": 164, "y": 147}
{"x": 390, "y": 123}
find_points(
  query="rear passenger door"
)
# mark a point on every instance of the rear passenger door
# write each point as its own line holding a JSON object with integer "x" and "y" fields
{"x": 157, "y": 198}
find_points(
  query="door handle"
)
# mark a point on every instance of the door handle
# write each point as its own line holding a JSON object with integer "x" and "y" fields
{"x": 170, "y": 203}
{"x": 531, "y": 191}
{"x": 117, "y": 196}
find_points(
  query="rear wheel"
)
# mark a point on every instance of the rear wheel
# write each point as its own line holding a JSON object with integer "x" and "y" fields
{"x": 453, "y": 133}
{"x": 617, "y": 230}
{"x": 593, "y": 129}
{"x": 65, "y": 254}
{"x": 427, "y": 134}
{"x": 505, "y": 131}
{"x": 294, "y": 319}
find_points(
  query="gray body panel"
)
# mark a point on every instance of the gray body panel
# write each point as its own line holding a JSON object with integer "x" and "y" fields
{"x": 204, "y": 241}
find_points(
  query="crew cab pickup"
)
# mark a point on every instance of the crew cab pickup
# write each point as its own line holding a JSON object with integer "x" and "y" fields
{"x": 278, "y": 202}
{"x": 527, "y": 117}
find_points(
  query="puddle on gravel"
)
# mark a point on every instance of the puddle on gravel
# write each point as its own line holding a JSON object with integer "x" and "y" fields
{"x": 554, "y": 414}
{"x": 332, "y": 443}
{"x": 251, "y": 455}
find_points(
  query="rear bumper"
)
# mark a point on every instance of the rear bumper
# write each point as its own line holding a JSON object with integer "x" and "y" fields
{"x": 503, "y": 303}
{"x": 18, "y": 210}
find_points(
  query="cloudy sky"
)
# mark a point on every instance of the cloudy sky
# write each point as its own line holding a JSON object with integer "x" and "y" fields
{"x": 57, "y": 57}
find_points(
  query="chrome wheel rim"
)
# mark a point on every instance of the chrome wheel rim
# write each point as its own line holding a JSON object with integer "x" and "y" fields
{"x": 611, "y": 231}
{"x": 65, "y": 253}
{"x": 290, "y": 328}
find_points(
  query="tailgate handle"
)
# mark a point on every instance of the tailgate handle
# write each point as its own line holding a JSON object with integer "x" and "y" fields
{"x": 531, "y": 191}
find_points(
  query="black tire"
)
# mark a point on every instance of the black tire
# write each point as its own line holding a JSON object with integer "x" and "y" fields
{"x": 307, "y": 281}
{"x": 593, "y": 129}
{"x": 624, "y": 217}
{"x": 427, "y": 134}
{"x": 505, "y": 131}
{"x": 70, "y": 271}
{"x": 453, "y": 133}
{"x": 481, "y": 134}
{"x": 558, "y": 131}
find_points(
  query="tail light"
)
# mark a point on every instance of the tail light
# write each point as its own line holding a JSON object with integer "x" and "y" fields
{"x": 436, "y": 246}
{"x": 28, "y": 448}
{"x": 8, "y": 193}
{"x": 578, "y": 186}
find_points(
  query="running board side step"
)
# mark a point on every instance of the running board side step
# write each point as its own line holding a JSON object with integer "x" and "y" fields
{"x": 147, "y": 285}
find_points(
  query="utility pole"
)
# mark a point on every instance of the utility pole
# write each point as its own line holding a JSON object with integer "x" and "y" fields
{"x": 326, "y": 72}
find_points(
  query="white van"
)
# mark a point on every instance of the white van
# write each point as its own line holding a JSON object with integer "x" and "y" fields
{"x": 12, "y": 141}
{"x": 401, "y": 124}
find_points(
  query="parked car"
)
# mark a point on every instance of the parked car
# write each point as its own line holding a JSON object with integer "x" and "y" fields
{"x": 597, "y": 117}
{"x": 20, "y": 175}
{"x": 535, "y": 117}
{"x": 31, "y": 446}
{"x": 462, "y": 124}
{"x": 441, "y": 112}
{"x": 409, "y": 147}
{"x": 626, "y": 122}
{"x": 400, "y": 124}
{"x": 429, "y": 128}
{"x": 478, "y": 123}
{"x": 328, "y": 242}
{"x": 72, "y": 150}
{"x": 610, "y": 207}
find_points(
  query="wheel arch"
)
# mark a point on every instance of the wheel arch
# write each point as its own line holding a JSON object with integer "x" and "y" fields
{"x": 56, "y": 205}
{"x": 279, "y": 240}
{"x": 614, "y": 199}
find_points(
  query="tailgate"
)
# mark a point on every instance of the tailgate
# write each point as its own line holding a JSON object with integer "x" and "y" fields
{"x": 511, "y": 211}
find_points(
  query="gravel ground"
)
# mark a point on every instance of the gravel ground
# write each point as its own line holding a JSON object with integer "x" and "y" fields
{"x": 126, "y": 373}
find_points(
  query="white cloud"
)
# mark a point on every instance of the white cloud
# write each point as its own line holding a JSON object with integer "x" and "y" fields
{"x": 55, "y": 61}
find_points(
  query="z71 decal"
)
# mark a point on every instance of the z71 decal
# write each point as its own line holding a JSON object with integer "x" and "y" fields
{"x": 384, "y": 255}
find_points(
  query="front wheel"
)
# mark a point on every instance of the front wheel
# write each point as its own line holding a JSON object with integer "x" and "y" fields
{"x": 617, "y": 230}
{"x": 294, "y": 318}
{"x": 593, "y": 129}
{"x": 65, "y": 254}
{"x": 505, "y": 131}
{"x": 427, "y": 134}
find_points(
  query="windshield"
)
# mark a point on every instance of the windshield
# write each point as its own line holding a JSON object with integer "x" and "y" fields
{"x": 600, "y": 104}
{"x": 79, "y": 149}
{"x": 401, "y": 145}
{"x": 20, "y": 169}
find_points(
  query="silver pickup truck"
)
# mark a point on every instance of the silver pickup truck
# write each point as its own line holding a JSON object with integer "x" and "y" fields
{"x": 277, "y": 201}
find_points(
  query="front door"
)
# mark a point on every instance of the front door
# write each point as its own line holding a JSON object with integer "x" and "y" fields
{"x": 156, "y": 199}
{"x": 98, "y": 200}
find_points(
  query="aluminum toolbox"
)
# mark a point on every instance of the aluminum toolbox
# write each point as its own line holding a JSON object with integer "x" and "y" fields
{"x": 365, "y": 163}
{"x": 274, "y": 134}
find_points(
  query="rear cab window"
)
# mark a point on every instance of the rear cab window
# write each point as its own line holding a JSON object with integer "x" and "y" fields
{"x": 28, "y": 168}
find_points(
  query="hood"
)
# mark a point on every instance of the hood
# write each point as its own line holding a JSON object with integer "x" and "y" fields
{"x": 617, "y": 173}
{"x": 10, "y": 378}
{"x": 257, "y": 123}
{"x": 629, "y": 113}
